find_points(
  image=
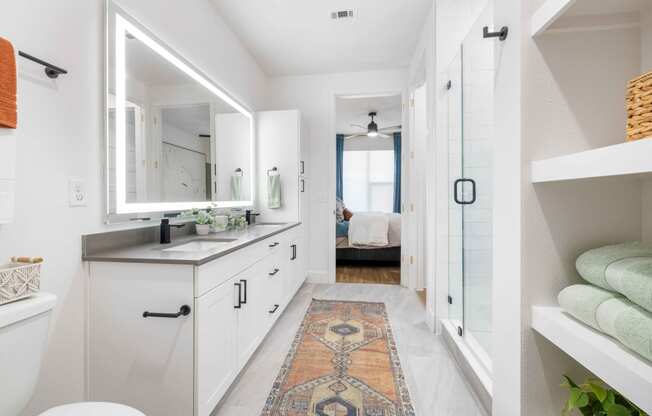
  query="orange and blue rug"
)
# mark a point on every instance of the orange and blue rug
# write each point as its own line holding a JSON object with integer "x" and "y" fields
{"x": 343, "y": 362}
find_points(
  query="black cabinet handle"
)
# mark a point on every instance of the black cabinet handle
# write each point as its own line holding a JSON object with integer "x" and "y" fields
{"x": 244, "y": 289}
{"x": 274, "y": 244}
{"x": 274, "y": 272}
{"x": 294, "y": 252}
{"x": 239, "y": 305}
{"x": 303, "y": 185}
{"x": 275, "y": 308}
{"x": 183, "y": 311}
{"x": 456, "y": 191}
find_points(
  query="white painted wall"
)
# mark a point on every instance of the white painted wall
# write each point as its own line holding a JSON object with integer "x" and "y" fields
{"x": 61, "y": 133}
{"x": 314, "y": 96}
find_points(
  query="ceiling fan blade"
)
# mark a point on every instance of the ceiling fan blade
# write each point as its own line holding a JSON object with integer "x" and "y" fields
{"x": 398, "y": 127}
{"x": 384, "y": 136}
{"x": 353, "y": 136}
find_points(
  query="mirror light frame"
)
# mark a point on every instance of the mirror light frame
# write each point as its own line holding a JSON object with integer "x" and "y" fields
{"x": 123, "y": 25}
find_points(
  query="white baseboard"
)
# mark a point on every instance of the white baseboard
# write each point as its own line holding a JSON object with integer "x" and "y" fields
{"x": 318, "y": 276}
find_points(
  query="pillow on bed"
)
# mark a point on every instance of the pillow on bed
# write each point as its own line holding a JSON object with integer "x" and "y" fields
{"x": 342, "y": 229}
{"x": 339, "y": 210}
{"x": 347, "y": 214}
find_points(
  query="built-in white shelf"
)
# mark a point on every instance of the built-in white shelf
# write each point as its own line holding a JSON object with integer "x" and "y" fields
{"x": 617, "y": 366}
{"x": 581, "y": 15}
{"x": 630, "y": 158}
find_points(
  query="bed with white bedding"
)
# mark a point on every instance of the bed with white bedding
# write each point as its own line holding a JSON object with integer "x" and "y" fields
{"x": 371, "y": 237}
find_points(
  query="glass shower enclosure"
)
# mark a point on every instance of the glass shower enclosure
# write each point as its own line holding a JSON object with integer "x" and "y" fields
{"x": 470, "y": 128}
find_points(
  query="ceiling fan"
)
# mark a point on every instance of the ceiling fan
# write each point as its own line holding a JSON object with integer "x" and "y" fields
{"x": 373, "y": 130}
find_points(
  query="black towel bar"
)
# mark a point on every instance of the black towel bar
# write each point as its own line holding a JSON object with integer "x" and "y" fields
{"x": 52, "y": 71}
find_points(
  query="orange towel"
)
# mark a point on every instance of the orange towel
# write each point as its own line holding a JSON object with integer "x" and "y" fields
{"x": 8, "y": 108}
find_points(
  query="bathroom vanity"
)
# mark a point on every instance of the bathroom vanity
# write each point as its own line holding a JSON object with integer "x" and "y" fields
{"x": 171, "y": 326}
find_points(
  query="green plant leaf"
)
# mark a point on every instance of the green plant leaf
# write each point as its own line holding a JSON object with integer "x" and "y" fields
{"x": 597, "y": 389}
{"x": 568, "y": 383}
{"x": 578, "y": 398}
{"x": 618, "y": 410}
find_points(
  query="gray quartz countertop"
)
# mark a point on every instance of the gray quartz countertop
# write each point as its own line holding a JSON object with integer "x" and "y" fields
{"x": 153, "y": 252}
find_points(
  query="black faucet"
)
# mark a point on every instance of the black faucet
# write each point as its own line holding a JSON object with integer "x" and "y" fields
{"x": 165, "y": 230}
{"x": 250, "y": 216}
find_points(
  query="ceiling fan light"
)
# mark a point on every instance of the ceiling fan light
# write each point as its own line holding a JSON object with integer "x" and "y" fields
{"x": 372, "y": 134}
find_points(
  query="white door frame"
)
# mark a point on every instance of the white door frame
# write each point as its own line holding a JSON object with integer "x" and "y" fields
{"x": 332, "y": 171}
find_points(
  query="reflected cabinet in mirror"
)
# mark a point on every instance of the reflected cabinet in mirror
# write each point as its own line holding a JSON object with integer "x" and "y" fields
{"x": 175, "y": 140}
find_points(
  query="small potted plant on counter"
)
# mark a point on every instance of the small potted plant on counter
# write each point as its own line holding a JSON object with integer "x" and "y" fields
{"x": 203, "y": 223}
{"x": 593, "y": 398}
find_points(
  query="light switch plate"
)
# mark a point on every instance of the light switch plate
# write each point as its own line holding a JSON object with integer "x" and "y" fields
{"x": 77, "y": 192}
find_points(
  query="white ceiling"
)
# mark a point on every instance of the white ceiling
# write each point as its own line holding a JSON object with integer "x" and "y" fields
{"x": 355, "y": 111}
{"x": 298, "y": 37}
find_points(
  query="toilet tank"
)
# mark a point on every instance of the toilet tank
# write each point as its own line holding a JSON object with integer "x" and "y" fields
{"x": 23, "y": 338}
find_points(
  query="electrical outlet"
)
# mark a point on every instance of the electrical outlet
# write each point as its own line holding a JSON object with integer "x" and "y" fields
{"x": 77, "y": 192}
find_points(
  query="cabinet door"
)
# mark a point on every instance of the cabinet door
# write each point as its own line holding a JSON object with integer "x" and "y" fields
{"x": 216, "y": 357}
{"x": 252, "y": 315}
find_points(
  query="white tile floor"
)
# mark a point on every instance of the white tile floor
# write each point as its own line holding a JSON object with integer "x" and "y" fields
{"x": 436, "y": 384}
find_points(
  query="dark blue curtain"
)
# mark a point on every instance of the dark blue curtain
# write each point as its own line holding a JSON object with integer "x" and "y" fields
{"x": 339, "y": 167}
{"x": 397, "y": 172}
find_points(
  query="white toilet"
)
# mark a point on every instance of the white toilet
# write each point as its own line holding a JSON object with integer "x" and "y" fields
{"x": 23, "y": 337}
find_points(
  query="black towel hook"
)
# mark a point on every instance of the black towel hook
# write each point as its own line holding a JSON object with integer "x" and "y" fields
{"x": 501, "y": 35}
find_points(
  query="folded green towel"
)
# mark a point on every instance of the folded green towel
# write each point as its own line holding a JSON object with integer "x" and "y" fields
{"x": 592, "y": 265}
{"x": 236, "y": 187}
{"x": 274, "y": 191}
{"x": 611, "y": 314}
{"x": 632, "y": 277}
{"x": 623, "y": 268}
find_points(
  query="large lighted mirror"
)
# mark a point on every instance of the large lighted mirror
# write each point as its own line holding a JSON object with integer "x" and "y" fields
{"x": 175, "y": 140}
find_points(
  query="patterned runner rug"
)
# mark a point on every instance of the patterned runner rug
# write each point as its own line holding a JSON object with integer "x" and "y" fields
{"x": 343, "y": 362}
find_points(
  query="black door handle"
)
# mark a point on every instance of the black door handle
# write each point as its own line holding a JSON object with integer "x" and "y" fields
{"x": 294, "y": 252}
{"x": 244, "y": 289}
{"x": 274, "y": 272}
{"x": 239, "y": 305}
{"x": 183, "y": 311}
{"x": 303, "y": 185}
{"x": 456, "y": 196}
{"x": 275, "y": 308}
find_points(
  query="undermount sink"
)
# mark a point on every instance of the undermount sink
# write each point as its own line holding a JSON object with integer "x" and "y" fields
{"x": 201, "y": 245}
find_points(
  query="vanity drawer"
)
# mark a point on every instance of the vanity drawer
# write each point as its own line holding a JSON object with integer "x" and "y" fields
{"x": 213, "y": 274}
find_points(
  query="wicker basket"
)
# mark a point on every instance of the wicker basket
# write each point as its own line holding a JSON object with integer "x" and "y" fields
{"x": 19, "y": 280}
{"x": 639, "y": 107}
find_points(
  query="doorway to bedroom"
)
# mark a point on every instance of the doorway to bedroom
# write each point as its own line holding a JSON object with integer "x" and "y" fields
{"x": 368, "y": 189}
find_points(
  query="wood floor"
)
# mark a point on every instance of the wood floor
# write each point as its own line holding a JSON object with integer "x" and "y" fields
{"x": 386, "y": 275}
{"x": 436, "y": 384}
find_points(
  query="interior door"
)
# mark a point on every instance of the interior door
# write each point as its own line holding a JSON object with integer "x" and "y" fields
{"x": 216, "y": 364}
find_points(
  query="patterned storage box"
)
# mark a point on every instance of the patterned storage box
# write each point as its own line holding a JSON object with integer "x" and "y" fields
{"x": 19, "y": 280}
{"x": 639, "y": 107}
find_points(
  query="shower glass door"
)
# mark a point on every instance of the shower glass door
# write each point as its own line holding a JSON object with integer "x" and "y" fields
{"x": 470, "y": 192}
{"x": 455, "y": 212}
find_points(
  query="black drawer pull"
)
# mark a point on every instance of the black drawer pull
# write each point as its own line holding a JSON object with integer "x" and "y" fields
{"x": 239, "y": 305}
{"x": 244, "y": 289}
{"x": 274, "y": 272}
{"x": 274, "y": 244}
{"x": 275, "y": 308}
{"x": 294, "y": 252}
{"x": 183, "y": 311}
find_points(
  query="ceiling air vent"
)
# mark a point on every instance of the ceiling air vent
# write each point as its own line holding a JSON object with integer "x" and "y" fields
{"x": 342, "y": 14}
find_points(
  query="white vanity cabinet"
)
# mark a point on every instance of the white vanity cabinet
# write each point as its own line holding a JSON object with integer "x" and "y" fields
{"x": 183, "y": 365}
